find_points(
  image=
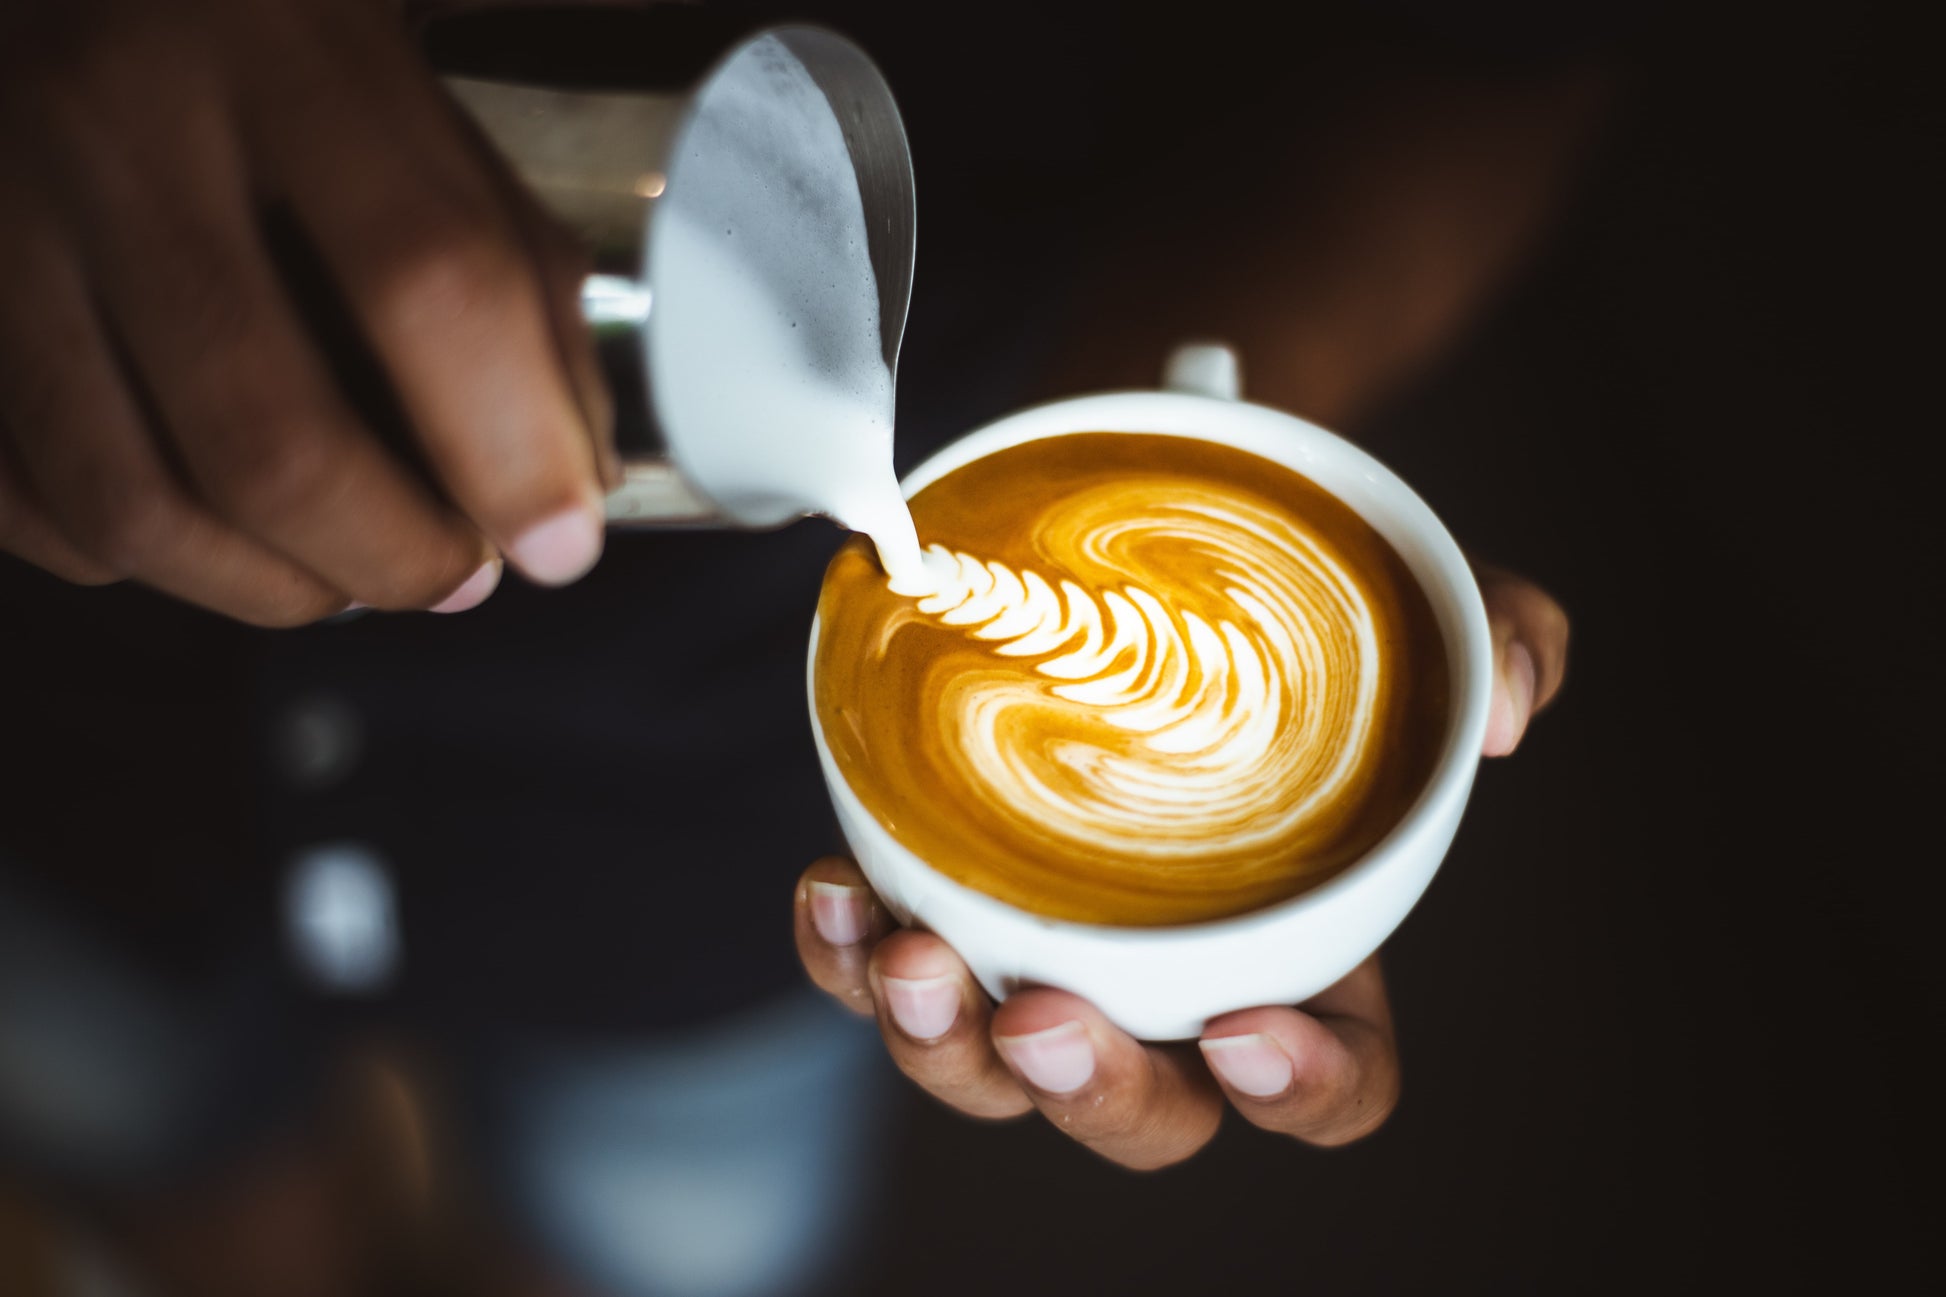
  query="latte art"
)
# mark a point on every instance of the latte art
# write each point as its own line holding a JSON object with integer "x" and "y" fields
{"x": 1178, "y": 698}
{"x": 1228, "y": 727}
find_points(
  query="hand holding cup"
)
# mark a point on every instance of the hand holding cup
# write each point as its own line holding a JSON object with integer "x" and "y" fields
{"x": 1325, "y": 1072}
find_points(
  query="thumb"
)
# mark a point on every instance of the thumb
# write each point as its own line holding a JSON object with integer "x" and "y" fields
{"x": 1530, "y": 654}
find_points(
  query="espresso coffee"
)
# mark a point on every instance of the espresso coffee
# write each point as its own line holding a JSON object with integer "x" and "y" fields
{"x": 1147, "y": 680}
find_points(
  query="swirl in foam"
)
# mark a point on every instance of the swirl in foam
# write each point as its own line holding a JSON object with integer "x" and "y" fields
{"x": 1176, "y": 703}
{"x": 1228, "y": 729}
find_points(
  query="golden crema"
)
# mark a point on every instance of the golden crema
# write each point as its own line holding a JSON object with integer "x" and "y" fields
{"x": 1148, "y": 680}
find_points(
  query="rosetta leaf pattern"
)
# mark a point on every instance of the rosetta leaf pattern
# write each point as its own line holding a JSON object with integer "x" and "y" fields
{"x": 1188, "y": 676}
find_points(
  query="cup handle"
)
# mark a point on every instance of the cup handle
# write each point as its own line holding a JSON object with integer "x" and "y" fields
{"x": 1204, "y": 369}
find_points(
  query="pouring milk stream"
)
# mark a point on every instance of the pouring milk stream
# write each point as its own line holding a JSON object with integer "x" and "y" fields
{"x": 753, "y": 240}
{"x": 773, "y": 368}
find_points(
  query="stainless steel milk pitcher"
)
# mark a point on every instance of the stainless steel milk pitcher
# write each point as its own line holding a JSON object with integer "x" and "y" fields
{"x": 610, "y": 165}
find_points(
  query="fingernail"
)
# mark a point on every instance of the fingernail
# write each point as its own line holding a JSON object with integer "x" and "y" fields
{"x": 924, "y": 1008}
{"x": 1252, "y": 1065}
{"x": 473, "y": 591}
{"x": 558, "y": 549}
{"x": 838, "y": 913}
{"x": 1056, "y": 1061}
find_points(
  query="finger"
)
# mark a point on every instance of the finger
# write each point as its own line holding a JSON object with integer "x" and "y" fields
{"x": 1327, "y": 1074}
{"x": 936, "y": 1019}
{"x": 397, "y": 201}
{"x": 838, "y": 920}
{"x": 78, "y": 441}
{"x": 259, "y": 427}
{"x": 1530, "y": 645}
{"x": 1142, "y": 1106}
{"x": 26, "y": 533}
{"x": 564, "y": 267}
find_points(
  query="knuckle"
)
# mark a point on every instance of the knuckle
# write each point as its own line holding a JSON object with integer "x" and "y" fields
{"x": 957, "y": 1075}
{"x": 286, "y": 611}
{"x": 856, "y": 999}
{"x": 917, "y": 1067}
{"x": 1363, "y": 1115}
{"x": 440, "y": 269}
{"x": 112, "y": 510}
{"x": 269, "y": 470}
{"x": 38, "y": 543}
{"x": 838, "y": 978}
{"x": 422, "y": 575}
{"x": 131, "y": 533}
{"x": 1144, "y": 1124}
{"x": 1154, "y": 1142}
{"x": 1119, "y": 1121}
{"x": 976, "y": 1092}
{"x": 995, "y": 1105}
{"x": 954, "y": 1074}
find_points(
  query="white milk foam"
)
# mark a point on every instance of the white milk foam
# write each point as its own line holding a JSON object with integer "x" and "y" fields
{"x": 770, "y": 377}
{"x": 1230, "y": 732}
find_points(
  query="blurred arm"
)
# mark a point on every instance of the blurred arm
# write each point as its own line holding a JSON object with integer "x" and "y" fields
{"x": 1361, "y": 247}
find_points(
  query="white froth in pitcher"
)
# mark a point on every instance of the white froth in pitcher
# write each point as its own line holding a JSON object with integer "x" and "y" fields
{"x": 765, "y": 338}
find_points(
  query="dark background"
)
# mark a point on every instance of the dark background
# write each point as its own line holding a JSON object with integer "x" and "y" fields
{"x": 1666, "y": 1012}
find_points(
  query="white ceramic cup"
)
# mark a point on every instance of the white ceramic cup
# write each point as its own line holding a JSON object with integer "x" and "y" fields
{"x": 1166, "y": 983}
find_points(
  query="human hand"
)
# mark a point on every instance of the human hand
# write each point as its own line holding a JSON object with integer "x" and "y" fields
{"x": 1529, "y": 631}
{"x": 164, "y": 413}
{"x": 1325, "y": 1072}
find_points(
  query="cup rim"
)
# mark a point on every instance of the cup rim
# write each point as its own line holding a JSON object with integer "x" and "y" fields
{"x": 1468, "y": 645}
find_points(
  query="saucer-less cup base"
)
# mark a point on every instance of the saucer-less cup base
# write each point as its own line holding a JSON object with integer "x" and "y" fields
{"x": 1165, "y": 983}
